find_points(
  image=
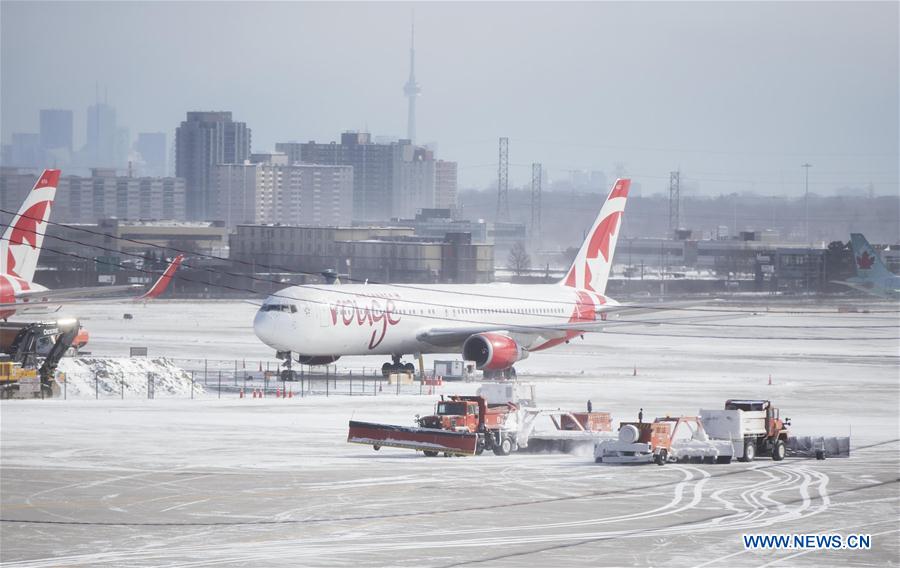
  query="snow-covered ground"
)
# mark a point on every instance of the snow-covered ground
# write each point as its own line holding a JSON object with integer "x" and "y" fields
{"x": 212, "y": 482}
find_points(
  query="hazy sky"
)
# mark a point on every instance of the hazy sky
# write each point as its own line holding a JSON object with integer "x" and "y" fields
{"x": 737, "y": 95}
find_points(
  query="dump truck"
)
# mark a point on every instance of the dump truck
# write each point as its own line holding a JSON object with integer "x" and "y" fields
{"x": 754, "y": 426}
{"x": 681, "y": 438}
{"x": 757, "y": 429}
{"x": 468, "y": 425}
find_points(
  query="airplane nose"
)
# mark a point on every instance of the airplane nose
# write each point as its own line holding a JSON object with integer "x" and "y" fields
{"x": 264, "y": 328}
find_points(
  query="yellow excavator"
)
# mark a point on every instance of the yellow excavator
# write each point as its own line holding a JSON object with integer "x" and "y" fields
{"x": 28, "y": 362}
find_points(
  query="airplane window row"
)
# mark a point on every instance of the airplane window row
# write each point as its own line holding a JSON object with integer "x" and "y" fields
{"x": 472, "y": 311}
{"x": 279, "y": 308}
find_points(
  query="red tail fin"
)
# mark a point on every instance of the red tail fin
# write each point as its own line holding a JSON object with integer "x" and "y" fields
{"x": 22, "y": 241}
{"x": 590, "y": 271}
{"x": 160, "y": 286}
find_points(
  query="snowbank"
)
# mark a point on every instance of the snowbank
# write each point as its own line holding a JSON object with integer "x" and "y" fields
{"x": 131, "y": 375}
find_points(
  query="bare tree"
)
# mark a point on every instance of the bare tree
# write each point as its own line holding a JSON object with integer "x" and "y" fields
{"x": 519, "y": 260}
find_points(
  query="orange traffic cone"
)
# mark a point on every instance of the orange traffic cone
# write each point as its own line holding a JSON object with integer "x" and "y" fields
{"x": 291, "y": 393}
{"x": 278, "y": 392}
{"x": 770, "y": 379}
{"x": 242, "y": 392}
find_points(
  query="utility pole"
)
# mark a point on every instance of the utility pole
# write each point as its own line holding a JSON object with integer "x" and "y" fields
{"x": 503, "y": 181}
{"x": 536, "y": 175}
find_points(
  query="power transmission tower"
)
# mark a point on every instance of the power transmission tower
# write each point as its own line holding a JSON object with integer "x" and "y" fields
{"x": 674, "y": 202}
{"x": 536, "y": 175}
{"x": 503, "y": 181}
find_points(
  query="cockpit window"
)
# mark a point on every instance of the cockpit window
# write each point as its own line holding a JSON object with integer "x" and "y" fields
{"x": 291, "y": 308}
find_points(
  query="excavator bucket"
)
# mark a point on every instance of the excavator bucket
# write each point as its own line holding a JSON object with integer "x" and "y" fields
{"x": 411, "y": 438}
{"x": 819, "y": 446}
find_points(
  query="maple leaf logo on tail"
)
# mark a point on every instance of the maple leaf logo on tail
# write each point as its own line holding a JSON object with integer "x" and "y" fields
{"x": 22, "y": 240}
{"x": 865, "y": 261}
{"x": 591, "y": 268}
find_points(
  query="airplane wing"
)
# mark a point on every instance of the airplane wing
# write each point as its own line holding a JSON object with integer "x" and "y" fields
{"x": 92, "y": 294}
{"x": 456, "y": 335}
{"x": 84, "y": 292}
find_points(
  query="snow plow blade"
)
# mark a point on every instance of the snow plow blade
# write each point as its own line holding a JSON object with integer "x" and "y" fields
{"x": 814, "y": 446}
{"x": 410, "y": 438}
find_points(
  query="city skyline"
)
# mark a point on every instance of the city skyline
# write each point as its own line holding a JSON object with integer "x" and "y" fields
{"x": 572, "y": 99}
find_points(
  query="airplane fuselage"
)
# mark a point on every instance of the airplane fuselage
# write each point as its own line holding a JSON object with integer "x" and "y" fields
{"x": 377, "y": 319}
{"x": 10, "y": 286}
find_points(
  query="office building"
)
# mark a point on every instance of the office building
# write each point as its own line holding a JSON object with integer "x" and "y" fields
{"x": 56, "y": 131}
{"x": 152, "y": 151}
{"x": 202, "y": 141}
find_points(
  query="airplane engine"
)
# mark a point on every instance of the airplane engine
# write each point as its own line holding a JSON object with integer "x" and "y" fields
{"x": 493, "y": 351}
{"x": 317, "y": 359}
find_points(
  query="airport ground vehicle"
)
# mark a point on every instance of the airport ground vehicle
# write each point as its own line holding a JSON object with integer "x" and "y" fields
{"x": 681, "y": 438}
{"x": 34, "y": 353}
{"x": 468, "y": 425}
{"x": 754, "y": 426}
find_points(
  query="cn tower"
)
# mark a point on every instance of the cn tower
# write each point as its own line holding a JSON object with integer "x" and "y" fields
{"x": 411, "y": 89}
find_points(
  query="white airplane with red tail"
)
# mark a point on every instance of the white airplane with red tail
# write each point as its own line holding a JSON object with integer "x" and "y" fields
{"x": 494, "y": 325}
{"x": 19, "y": 252}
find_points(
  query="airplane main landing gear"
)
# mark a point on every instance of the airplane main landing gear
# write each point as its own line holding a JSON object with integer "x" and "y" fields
{"x": 395, "y": 366}
{"x": 500, "y": 375}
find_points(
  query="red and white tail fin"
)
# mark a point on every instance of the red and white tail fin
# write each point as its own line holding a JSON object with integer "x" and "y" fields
{"x": 590, "y": 271}
{"x": 21, "y": 244}
{"x": 160, "y": 286}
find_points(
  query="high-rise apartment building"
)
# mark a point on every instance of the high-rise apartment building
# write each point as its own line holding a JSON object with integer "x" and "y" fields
{"x": 445, "y": 185}
{"x": 273, "y": 191}
{"x": 389, "y": 180}
{"x": 203, "y": 141}
{"x": 290, "y": 149}
{"x": 104, "y": 194}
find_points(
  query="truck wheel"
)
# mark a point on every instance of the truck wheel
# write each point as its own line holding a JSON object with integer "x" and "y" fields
{"x": 479, "y": 449}
{"x": 660, "y": 458}
{"x": 503, "y": 448}
{"x": 749, "y": 451}
{"x": 376, "y": 447}
{"x": 820, "y": 454}
{"x": 598, "y": 459}
{"x": 778, "y": 450}
{"x": 430, "y": 453}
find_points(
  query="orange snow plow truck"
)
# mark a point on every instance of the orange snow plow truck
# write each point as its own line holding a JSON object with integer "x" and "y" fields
{"x": 468, "y": 425}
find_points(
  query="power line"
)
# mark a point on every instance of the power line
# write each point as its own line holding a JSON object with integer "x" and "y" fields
{"x": 333, "y": 289}
{"x": 504, "y": 324}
